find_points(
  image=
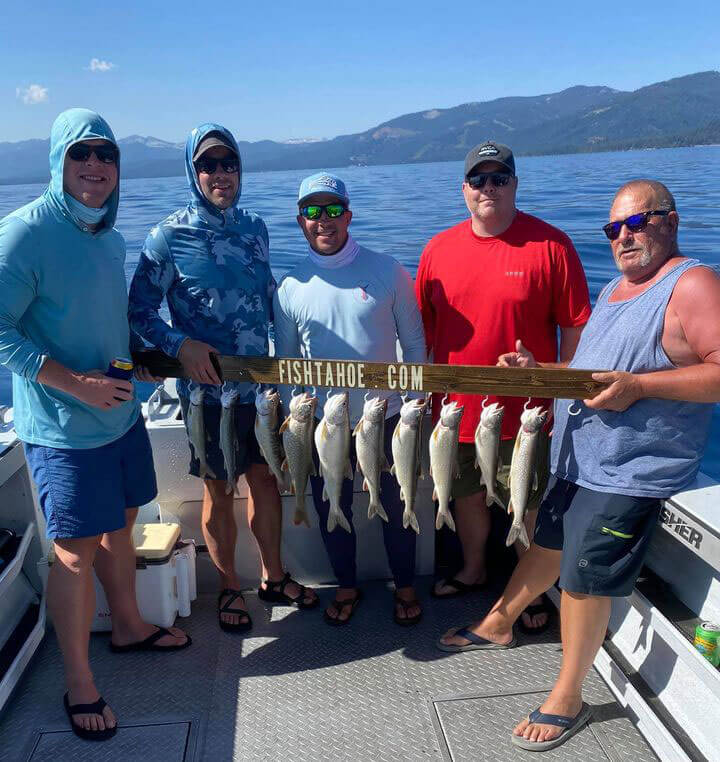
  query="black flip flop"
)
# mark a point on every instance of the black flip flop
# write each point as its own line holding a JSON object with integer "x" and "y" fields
{"x": 245, "y": 622}
{"x": 545, "y": 607}
{"x": 406, "y": 621}
{"x": 94, "y": 708}
{"x": 339, "y": 606}
{"x": 150, "y": 643}
{"x": 461, "y": 588}
{"x": 274, "y": 592}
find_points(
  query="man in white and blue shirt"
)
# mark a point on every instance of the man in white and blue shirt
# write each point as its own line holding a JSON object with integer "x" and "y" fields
{"x": 346, "y": 302}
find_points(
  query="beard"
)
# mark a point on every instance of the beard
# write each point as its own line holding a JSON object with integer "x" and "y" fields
{"x": 644, "y": 259}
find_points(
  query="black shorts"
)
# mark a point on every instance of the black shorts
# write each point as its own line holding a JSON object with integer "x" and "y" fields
{"x": 604, "y": 537}
{"x": 248, "y": 450}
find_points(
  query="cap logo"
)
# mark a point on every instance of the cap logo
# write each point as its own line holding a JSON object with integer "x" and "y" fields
{"x": 488, "y": 150}
{"x": 326, "y": 180}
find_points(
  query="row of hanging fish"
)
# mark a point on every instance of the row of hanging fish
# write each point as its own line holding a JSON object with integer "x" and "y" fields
{"x": 288, "y": 450}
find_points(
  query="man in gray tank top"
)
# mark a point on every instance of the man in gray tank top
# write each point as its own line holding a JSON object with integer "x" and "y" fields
{"x": 615, "y": 457}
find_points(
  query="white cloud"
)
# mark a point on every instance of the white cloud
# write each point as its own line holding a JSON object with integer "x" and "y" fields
{"x": 32, "y": 95}
{"x": 96, "y": 64}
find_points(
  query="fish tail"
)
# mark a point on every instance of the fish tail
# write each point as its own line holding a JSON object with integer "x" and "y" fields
{"x": 517, "y": 532}
{"x": 410, "y": 520}
{"x": 375, "y": 509}
{"x": 491, "y": 497}
{"x": 301, "y": 516}
{"x": 337, "y": 518}
{"x": 443, "y": 517}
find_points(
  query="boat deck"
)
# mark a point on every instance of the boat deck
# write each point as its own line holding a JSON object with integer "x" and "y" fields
{"x": 294, "y": 688}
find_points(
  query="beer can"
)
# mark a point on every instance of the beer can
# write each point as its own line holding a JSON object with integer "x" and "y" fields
{"x": 120, "y": 367}
{"x": 707, "y": 641}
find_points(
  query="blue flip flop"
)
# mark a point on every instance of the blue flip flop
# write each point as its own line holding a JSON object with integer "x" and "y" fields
{"x": 476, "y": 643}
{"x": 570, "y": 726}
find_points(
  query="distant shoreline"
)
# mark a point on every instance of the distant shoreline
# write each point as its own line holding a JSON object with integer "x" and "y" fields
{"x": 247, "y": 171}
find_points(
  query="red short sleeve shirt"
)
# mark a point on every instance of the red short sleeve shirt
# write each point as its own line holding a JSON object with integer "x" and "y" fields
{"x": 479, "y": 295}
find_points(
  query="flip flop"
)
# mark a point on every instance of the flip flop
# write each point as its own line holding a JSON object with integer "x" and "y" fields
{"x": 545, "y": 607}
{"x": 461, "y": 588}
{"x": 245, "y": 622}
{"x": 406, "y": 621}
{"x": 339, "y": 605}
{"x": 150, "y": 643}
{"x": 274, "y": 592}
{"x": 570, "y": 726}
{"x": 94, "y": 708}
{"x": 476, "y": 643}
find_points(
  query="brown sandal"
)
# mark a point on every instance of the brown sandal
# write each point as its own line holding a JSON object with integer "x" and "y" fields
{"x": 406, "y": 621}
{"x": 339, "y": 606}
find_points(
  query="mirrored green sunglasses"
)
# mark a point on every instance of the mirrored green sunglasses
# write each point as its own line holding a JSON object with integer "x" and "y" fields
{"x": 314, "y": 211}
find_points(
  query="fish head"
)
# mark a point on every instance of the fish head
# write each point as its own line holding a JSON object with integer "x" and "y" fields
{"x": 336, "y": 409}
{"x": 302, "y": 407}
{"x": 451, "y": 414}
{"x": 197, "y": 395}
{"x": 492, "y": 415}
{"x": 267, "y": 402}
{"x": 374, "y": 410}
{"x": 533, "y": 419}
{"x": 412, "y": 411}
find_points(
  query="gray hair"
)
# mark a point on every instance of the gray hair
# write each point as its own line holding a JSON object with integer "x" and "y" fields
{"x": 663, "y": 198}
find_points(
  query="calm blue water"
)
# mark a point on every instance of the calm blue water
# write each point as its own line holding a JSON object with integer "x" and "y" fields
{"x": 398, "y": 208}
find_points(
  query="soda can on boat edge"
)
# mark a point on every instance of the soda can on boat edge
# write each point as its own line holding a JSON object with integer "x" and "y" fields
{"x": 707, "y": 641}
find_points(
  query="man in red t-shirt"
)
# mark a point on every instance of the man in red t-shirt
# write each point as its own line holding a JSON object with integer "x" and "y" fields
{"x": 500, "y": 281}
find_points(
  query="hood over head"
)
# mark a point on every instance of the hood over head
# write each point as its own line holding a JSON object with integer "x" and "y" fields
{"x": 74, "y": 126}
{"x": 197, "y": 135}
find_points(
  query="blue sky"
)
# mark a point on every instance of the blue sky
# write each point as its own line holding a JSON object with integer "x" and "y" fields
{"x": 284, "y": 70}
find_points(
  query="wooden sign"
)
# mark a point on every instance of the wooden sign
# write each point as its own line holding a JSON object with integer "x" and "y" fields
{"x": 560, "y": 383}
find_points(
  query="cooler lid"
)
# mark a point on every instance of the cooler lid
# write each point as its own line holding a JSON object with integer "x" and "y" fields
{"x": 154, "y": 541}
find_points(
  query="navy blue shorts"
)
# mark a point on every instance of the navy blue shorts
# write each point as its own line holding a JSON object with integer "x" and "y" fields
{"x": 247, "y": 448}
{"x": 85, "y": 493}
{"x": 603, "y": 537}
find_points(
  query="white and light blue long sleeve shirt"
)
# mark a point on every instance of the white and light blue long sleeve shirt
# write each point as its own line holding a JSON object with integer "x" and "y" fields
{"x": 353, "y": 305}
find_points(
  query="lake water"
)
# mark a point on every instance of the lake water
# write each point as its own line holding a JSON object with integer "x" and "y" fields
{"x": 398, "y": 208}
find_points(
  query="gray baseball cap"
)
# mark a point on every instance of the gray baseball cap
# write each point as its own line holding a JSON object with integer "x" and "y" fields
{"x": 489, "y": 151}
{"x": 212, "y": 140}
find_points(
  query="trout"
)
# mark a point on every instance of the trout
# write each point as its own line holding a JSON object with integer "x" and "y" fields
{"x": 443, "y": 460}
{"x": 523, "y": 474}
{"x": 267, "y": 405}
{"x": 487, "y": 449}
{"x": 370, "y": 447}
{"x": 228, "y": 447}
{"x": 406, "y": 444}
{"x": 332, "y": 440}
{"x": 297, "y": 437}
{"x": 196, "y": 430}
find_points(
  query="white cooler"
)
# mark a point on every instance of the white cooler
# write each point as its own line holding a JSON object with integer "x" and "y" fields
{"x": 165, "y": 577}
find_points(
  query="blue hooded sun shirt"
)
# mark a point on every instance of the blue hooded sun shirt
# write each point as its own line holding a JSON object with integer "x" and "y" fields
{"x": 63, "y": 295}
{"x": 213, "y": 267}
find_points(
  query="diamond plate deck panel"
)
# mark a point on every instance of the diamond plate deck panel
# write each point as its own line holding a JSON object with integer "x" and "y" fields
{"x": 479, "y": 730}
{"x": 296, "y": 689}
{"x": 151, "y": 743}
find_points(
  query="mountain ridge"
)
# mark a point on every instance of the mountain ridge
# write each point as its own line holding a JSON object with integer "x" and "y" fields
{"x": 679, "y": 111}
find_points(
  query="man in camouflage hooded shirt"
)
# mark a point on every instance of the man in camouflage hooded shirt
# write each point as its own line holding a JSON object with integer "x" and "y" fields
{"x": 210, "y": 260}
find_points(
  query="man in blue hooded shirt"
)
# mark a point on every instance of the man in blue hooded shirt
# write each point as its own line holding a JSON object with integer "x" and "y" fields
{"x": 63, "y": 318}
{"x": 210, "y": 261}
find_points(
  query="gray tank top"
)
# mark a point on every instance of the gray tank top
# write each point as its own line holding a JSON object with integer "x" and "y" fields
{"x": 653, "y": 448}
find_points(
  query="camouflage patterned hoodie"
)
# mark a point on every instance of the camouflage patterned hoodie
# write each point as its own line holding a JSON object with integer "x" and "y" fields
{"x": 213, "y": 267}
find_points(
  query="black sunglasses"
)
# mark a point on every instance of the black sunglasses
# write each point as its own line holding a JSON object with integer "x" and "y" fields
{"x": 314, "y": 211}
{"x": 82, "y": 152}
{"x": 498, "y": 179}
{"x": 229, "y": 164}
{"x": 635, "y": 222}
